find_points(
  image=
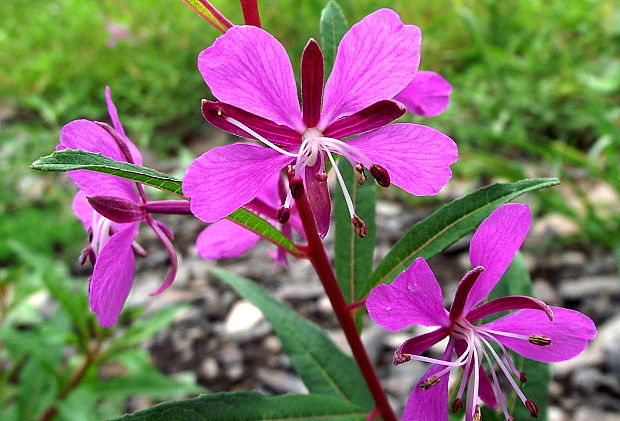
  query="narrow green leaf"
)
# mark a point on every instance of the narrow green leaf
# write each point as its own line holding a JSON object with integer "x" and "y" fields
{"x": 322, "y": 366}
{"x": 70, "y": 159}
{"x": 263, "y": 228}
{"x": 251, "y": 406}
{"x": 517, "y": 281}
{"x": 37, "y": 391}
{"x": 333, "y": 27}
{"x": 353, "y": 255}
{"x": 445, "y": 226}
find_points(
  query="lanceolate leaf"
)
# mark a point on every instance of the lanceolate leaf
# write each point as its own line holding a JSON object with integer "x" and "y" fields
{"x": 333, "y": 27}
{"x": 516, "y": 281}
{"x": 445, "y": 226}
{"x": 322, "y": 366}
{"x": 251, "y": 406}
{"x": 353, "y": 255}
{"x": 69, "y": 160}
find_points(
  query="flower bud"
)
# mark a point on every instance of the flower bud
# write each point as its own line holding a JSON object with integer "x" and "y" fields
{"x": 117, "y": 209}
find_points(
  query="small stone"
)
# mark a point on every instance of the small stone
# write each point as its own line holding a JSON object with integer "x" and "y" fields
{"x": 584, "y": 287}
{"x": 242, "y": 317}
{"x": 590, "y": 414}
{"x": 280, "y": 381}
{"x": 544, "y": 291}
{"x": 209, "y": 368}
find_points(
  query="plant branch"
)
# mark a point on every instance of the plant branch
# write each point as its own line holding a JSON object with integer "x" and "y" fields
{"x": 322, "y": 266}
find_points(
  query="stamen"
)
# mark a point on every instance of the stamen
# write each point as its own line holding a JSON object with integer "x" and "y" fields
{"x": 380, "y": 174}
{"x": 497, "y": 388}
{"x": 360, "y": 174}
{"x": 360, "y": 226}
{"x": 522, "y": 377}
{"x": 532, "y": 407}
{"x": 283, "y": 214}
{"x": 505, "y": 371}
{"x": 256, "y": 135}
{"x": 477, "y": 414}
{"x": 456, "y": 405}
{"x": 507, "y": 358}
{"x": 428, "y": 383}
{"x": 343, "y": 186}
{"x": 540, "y": 340}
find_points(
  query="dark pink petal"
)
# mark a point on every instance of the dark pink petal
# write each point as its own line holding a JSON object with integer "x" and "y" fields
{"x": 224, "y": 240}
{"x": 116, "y": 122}
{"x": 320, "y": 202}
{"x": 83, "y": 210}
{"x": 462, "y": 291}
{"x": 227, "y": 177}
{"x": 428, "y": 94}
{"x": 494, "y": 245}
{"x": 311, "y": 83}
{"x": 248, "y": 68}
{"x": 417, "y": 158}
{"x": 377, "y": 115}
{"x": 117, "y": 209}
{"x": 90, "y": 137}
{"x": 515, "y": 302}
{"x": 418, "y": 344}
{"x": 113, "y": 276}
{"x": 413, "y": 298}
{"x": 216, "y": 113}
{"x": 569, "y": 332}
{"x": 431, "y": 404}
{"x": 376, "y": 60}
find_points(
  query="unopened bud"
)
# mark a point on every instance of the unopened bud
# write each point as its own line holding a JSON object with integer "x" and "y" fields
{"x": 522, "y": 377}
{"x": 532, "y": 407}
{"x": 320, "y": 176}
{"x": 283, "y": 214}
{"x": 360, "y": 226}
{"x": 428, "y": 383}
{"x": 117, "y": 209}
{"x": 360, "y": 174}
{"x": 297, "y": 187}
{"x": 540, "y": 340}
{"x": 456, "y": 405}
{"x": 380, "y": 174}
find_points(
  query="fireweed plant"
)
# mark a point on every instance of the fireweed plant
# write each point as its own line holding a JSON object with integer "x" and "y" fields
{"x": 275, "y": 186}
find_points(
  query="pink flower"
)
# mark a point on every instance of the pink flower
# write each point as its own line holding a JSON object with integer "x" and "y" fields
{"x": 112, "y": 247}
{"x": 225, "y": 239}
{"x": 249, "y": 72}
{"x": 535, "y": 331}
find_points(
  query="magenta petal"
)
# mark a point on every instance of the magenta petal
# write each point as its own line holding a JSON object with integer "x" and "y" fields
{"x": 569, "y": 332}
{"x": 320, "y": 202}
{"x": 116, "y": 122}
{"x": 377, "y": 115}
{"x": 227, "y": 177}
{"x": 494, "y": 245}
{"x": 417, "y": 158}
{"x": 248, "y": 68}
{"x": 216, "y": 113}
{"x": 224, "y": 240}
{"x": 428, "y": 94}
{"x": 83, "y": 210}
{"x": 90, "y": 137}
{"x": 431, "y": 404}
{"x": 515, "y": 302}
{"x": 413, "y": 298}
{"x": 113, "y": 276}
{"x": 376, "y": 60}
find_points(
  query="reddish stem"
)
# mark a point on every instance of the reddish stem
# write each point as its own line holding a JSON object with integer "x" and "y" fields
{"x": 250, "y": 12}
{"x": 322, "y": 266}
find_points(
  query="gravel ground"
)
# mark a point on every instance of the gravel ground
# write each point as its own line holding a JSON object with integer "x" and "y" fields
{"x": 229, "y": 346}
